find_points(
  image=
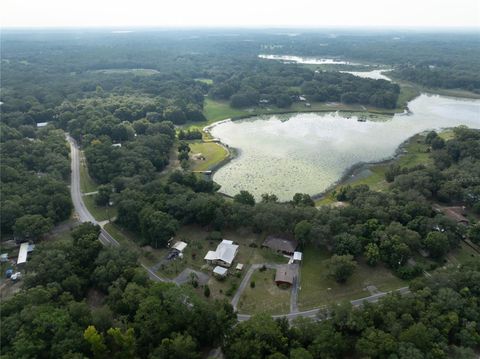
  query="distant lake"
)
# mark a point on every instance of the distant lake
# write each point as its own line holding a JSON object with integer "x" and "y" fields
{"x": 306, "y": 60}
{"x": 308, "y": 152}
{"x": 374, "y": 74}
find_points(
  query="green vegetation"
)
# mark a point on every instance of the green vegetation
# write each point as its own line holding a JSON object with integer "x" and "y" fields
{"x": 266, "y": 296}
{"x": 212, "y": 152}
{"x": 216, "y": 110}
{"x": 317, "y": 289}
{"x": 100, "y": 213}
{"x": 87, "y": 185}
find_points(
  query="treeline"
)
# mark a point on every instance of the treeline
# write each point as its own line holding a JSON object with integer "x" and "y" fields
{"x": 281, "y": 85}
{"x": 80, "y": 300}
{"x": 440, "y": 76}
{"x": 34, "y": 171}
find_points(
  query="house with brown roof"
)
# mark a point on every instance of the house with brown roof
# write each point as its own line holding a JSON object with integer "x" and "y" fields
{"x": 284, "y": 275}
{"x": 281, "y": 244}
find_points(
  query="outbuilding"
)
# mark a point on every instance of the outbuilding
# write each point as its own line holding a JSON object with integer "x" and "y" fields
{"x": 284, "y": 275}
{"x": 297, "y": 257}
{"x": 179, "y": 246}
{"x": 23, "y": 253}
{"x": 220, "y": 272}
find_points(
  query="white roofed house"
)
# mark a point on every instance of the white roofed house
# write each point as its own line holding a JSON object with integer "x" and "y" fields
{"x": 223, "y": 255}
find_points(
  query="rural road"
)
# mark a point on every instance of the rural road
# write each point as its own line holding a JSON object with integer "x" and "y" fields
{"x": 105, "y": 238}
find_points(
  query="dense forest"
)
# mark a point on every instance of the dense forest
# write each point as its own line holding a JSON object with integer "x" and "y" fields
{"x": 82, "y": 300}
{"x": 35, "y": 168}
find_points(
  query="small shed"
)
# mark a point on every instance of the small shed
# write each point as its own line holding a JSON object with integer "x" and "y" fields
{"x": 179, "y": 246}
{"x": 284, "y": 275}
{"x": 239, "y": 267}
{"x": 297, "y": 257}
{"x": 220, "y": 272}
{"x": 3, "y": 257}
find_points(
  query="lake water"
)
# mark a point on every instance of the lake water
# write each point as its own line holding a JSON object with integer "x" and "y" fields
{"x": 374, "y": 74}
{"x": 308, "y": 152}
{"x": 306, "y": 60}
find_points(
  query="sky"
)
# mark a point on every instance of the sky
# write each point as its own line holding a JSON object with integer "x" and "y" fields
{"x": 240, "y": 13}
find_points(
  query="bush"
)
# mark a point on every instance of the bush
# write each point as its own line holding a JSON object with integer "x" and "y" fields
{"x": 206, "y": 291}
{"x": 252, "y": 284}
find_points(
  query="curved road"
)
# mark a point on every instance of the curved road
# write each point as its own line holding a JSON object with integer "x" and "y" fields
{"x": 84, "y": 215}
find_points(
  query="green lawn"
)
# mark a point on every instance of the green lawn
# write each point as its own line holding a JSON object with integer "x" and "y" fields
{"x": 213, "y": 153}
{"x": 98, "y": 212}
{"x": 266, "y": 297}
{"x": 87, "y": 184}
{"x": 317, "y": 289}
{"x": 205, "y": 81}
{"x": 462, "y": 254}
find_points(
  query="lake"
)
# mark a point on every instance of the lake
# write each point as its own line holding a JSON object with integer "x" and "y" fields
{"x": 308, "y": 152}
{"x": 306, "y": 60}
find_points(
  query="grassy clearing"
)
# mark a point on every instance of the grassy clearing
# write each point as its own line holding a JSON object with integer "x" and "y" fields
{"x": 213, "y": 153}
{"x": 317, "y": 289}
{"x": 98, "y": 212}
{"x": 147, "y": 255}
{"x": 407, "y": 93}
{"x": 138, "y": 72}
{"x": 462, "y": 255}
{"x": 87, "y": 184}
{"x": 266, "y": 297}
{"x": 205, "y": 81}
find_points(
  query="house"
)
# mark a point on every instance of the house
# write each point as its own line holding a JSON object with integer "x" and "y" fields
{"x": 284, "y": 275}
{"x": 297, "y": 257}
{"x": 223, "y": 255}
{"x": 116, "y": 145}
{"x": 41, "y": 124}
{"x": 282, "y": 245}
{"x": 220, "y": 272}
{"x": 179, "y": 246}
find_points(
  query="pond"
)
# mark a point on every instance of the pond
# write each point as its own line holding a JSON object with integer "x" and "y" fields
{"x": 309, "y": 152}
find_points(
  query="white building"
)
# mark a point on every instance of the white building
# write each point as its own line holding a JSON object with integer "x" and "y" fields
{"x": 223, "y": 255}
{"x": 220, "y": 272}
{"x": 23, "y": 253}
{"x": 179, "y": 246}
{"x": 297, "y": 257}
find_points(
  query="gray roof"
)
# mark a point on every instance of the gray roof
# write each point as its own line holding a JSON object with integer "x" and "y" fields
{"x": 281, "y": 244}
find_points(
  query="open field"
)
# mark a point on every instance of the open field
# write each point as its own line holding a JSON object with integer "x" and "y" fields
{"x": 138, "y": 72}
{"x": 87, "y": 184}
{"x": 265, "y": 297}
{"x": 317, "y": 289}
{"x": 98, "y": 212}
{"x": 205, "y": 81}
{"x": 213, "y": 153}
